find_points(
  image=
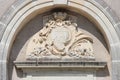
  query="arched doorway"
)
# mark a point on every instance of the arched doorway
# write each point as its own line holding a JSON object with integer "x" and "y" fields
{"x": 83, "y": 7}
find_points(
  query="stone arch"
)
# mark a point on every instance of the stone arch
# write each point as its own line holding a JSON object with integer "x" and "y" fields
{"x": 28, "y": 9}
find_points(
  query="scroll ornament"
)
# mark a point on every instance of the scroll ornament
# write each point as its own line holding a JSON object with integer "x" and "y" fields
{"x": 60, "y": 39}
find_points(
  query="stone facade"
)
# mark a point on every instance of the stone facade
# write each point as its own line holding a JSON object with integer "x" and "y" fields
{"x": 17, "y": 17}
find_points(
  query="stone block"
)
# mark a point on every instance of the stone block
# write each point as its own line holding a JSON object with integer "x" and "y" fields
{"x": 115, "y": 70}
{"x": 117, "y": 28}
{"x": 60, "y": 1}
{"x": 2, "y": 29}
{"x": 115, "y": 52}
{"x": 113, "y": 15}
{"x": 102, "y": 3}
{"x": 115, "y": 5}
{"x": 19, "y": 2}
{"x": 3, "y": 76}
{"x": 4, "y": 5}
{"x": 7, "y": 16}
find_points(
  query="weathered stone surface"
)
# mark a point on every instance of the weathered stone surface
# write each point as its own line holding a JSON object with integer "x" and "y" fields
{"x": 113, "y": 15}
{"x": 3, "y": 65}
{"x": 7, "y": 16}
{"x": 4, "y": 5}
{"x": 117, "y": 28}
{"x": 36, "y": 24}
{"x": 115, "y": 53}
{"x": 63, "y": 74}
{"x": 60, "y": 1}
{"x": 2, "y": 29}
{"x": 102, "y": 3}
{"x": 61, "y": 64}
{"x": 115, "y": 6}
{"x": 116, "y": 70}
{"x": 112, "y": 11}
{"x": 18, "y": 3}
{"x": 116, "y": 20}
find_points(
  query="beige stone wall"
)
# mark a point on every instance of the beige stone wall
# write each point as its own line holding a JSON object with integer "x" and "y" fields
{"x": 84, "y": 25}
{"x": 114, "y": 4}
{"x": 5, "y": 4}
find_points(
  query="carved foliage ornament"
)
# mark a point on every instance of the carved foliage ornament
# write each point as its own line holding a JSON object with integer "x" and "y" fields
{"x": 61, "y": 39}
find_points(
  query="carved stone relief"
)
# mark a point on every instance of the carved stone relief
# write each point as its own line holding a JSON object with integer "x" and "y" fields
{"x": 60, "y": 39}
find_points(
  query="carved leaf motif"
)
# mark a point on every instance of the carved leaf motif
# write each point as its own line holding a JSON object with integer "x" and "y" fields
{"x": 58, "y": 39}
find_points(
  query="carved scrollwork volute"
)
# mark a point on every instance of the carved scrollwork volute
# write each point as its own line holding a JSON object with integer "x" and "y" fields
{"x": 59, "y": 38}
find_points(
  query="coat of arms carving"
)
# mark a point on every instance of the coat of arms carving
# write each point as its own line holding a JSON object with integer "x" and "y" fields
{"x": 60, "y": 39}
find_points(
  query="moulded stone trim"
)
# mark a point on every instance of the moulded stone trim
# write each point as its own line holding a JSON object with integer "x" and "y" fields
{"x": 3, "y": 67}
{"x": 18, "y": 3}
{"x": 24, "y": 2}
{"x": 21, "y": 14}
{"x": 6, "y": 18}
{"x": 114, "y": 19}
{"x": 117, "y": 27}
{"x": 106, "y": 25}
{"x": 11, "y": 32}
{"x": 9, "y": 13}
{"x": 115, "y": 67}
{"x": 101, "y": 2}
{"x": 116, "y": 50}
{"x": 113, "y": 50}
{"x": 60, "y": 2}
{"x": 2, "y": 29}
{"x": 112, "y": 16}
{"x": 61, "y": 64}
{"x": 7, "y": 40}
